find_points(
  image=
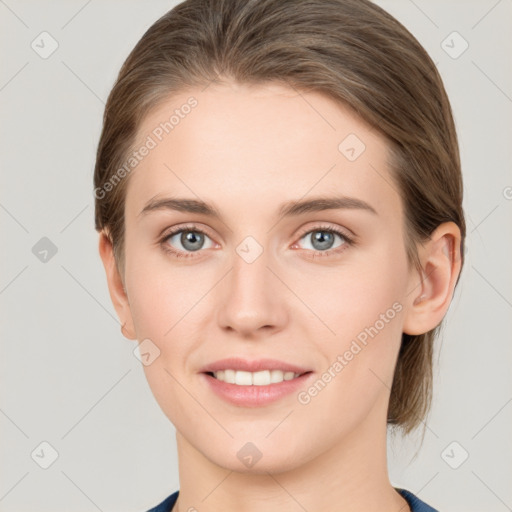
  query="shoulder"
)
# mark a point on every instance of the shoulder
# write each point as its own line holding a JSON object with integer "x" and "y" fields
{"x": 414, "y": 502}
{"x": 166, "y": 505}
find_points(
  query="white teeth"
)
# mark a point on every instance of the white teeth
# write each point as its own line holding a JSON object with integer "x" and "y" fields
{"x": 263, "y": 378}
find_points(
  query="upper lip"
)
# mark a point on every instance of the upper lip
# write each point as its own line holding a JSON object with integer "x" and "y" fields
{"x": 238, "y": 363}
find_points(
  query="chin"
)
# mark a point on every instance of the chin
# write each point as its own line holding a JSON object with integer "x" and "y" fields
{"x": 256, "y": 458}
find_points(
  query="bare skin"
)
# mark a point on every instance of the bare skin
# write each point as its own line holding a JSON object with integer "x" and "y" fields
{"x": 247, "y": 151}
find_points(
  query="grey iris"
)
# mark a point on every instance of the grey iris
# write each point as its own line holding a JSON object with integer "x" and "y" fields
{"x": 192, "y": 240}
{"x": 322, "y": 239}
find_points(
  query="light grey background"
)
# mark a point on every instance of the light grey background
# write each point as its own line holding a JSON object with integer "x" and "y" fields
{"x": 70, "y": 379}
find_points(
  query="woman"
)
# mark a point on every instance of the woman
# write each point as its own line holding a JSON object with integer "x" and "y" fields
{"x": 279, "y": 202}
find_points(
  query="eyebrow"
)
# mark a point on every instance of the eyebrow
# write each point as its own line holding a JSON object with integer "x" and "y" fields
{"x": 291, "y": 208}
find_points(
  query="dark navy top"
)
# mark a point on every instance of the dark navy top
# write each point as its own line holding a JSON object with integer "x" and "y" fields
{"x": 414, "y": 502}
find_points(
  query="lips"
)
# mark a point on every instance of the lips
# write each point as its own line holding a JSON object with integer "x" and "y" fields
{"x": 255, "y": 396}
{"x": 238, "y": 363}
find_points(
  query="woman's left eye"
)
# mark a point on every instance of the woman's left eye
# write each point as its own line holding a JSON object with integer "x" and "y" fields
{"x": 323, "y": 240}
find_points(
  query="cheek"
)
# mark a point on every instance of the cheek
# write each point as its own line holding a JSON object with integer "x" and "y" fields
{"x": 362, "y": 304}
{"x": 151, "y": 307}
{"x": 353, "y": 295}
{"x": 161, "y": 302}
{"x": 358, "y": 364}
{"x": 170, "y": 305}
{"x": 160, "y": 292}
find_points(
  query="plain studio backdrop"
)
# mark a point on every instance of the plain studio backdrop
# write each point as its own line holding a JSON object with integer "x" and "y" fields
{"x": 80, "y": 429}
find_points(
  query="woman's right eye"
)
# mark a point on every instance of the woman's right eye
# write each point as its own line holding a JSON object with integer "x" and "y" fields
{"x": 184, "y": 242}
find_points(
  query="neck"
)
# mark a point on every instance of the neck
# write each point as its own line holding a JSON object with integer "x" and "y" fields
{"x": 349, "y": 476}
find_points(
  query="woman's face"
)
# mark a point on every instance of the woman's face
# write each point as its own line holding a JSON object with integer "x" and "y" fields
{"x": 253, "y": 283}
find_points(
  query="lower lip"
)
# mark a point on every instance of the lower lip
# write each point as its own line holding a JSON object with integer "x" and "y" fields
{"x": 255, "y": 396}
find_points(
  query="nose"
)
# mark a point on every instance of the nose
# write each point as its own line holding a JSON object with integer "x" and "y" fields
{"x": 252, "y": 301}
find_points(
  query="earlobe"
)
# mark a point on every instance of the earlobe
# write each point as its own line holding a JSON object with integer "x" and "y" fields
{"x": 431, "y": 296}
{"x": 116, "y": 286}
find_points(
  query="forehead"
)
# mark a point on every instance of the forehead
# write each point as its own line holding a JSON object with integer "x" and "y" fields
{"x": 240, "y": 145}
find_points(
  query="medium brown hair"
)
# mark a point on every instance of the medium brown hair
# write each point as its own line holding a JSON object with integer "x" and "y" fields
{"x": 350, "y": 50}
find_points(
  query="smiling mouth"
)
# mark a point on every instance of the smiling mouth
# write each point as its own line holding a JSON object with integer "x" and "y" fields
{"x": 260, "y": 378}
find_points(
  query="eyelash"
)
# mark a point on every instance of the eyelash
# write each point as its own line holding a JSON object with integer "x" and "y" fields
{"x": 315, "y": 254}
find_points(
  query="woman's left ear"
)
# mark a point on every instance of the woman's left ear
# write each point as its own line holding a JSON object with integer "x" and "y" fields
{"x": 432, "y": 291}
